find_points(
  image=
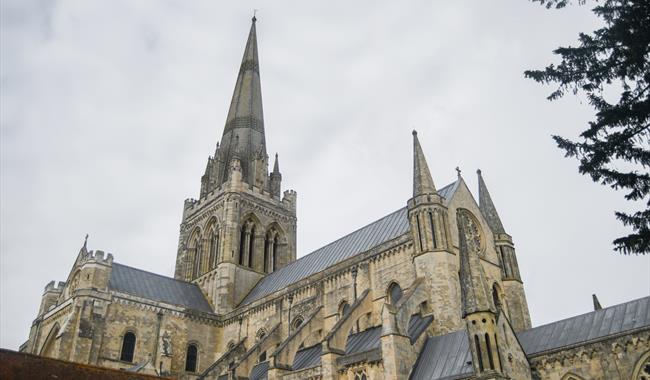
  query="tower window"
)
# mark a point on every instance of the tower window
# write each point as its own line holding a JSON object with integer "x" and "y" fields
{"x": 191, "y": 358}
{"x": 433, "y": 230}
{"x": 417, "y": 219}
{"x": 128, "y": 347}
{"x": 394, "y": 293}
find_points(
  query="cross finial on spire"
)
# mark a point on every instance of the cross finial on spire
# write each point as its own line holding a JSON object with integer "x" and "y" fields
{"x": 458, "y": 171}
{"x": 254, "y": 15}
{"x": 86, "y": 241}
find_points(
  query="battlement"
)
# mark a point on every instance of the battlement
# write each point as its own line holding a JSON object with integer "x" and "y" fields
{"x": 98, "y": 257}
{"x": 53, "y": 287}
{"x": 289, "y": 199}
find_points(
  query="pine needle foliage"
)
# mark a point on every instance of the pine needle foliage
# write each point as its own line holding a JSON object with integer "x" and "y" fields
{"x": 615, "y": 148}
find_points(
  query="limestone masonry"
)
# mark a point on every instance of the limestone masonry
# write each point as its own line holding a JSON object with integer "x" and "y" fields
{"x": 430, "y": 291}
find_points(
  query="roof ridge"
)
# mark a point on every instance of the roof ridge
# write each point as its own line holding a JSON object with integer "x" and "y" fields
{"x": 589, "y": 312}
{"x": 342, "y": 237}
{"x": 155, "y": 274}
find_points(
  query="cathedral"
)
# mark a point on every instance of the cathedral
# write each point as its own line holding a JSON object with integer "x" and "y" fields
{"x": 429, "y": 291}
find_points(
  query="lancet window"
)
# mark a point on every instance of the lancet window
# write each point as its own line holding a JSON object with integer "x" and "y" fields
{"x": 271, "y": 250}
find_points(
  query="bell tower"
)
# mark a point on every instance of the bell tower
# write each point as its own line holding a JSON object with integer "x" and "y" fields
{"x": 242, "y": 227}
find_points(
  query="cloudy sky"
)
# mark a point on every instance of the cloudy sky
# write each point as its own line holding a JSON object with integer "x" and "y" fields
{"x": 109, "y": 110}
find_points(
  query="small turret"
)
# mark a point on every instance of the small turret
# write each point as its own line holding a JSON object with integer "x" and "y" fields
{"x": 276, "y": 178}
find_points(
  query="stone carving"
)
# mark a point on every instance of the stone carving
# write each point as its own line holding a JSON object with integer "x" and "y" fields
{"x": 166, "y": 344}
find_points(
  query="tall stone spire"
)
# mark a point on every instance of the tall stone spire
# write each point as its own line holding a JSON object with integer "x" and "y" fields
{"x": 243, "y": 135}
{"x": 475, "y": 291}
{"x": 422, "y": 181}
{"x": 487, "y": 207}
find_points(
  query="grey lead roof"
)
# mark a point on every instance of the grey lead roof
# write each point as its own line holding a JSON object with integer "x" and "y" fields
{"x": 583, "y": 328}
{"x": 363, "y": 341}
{"x": 307, "y": 357}
{"x": 157, "y": 288}
{"x": 260, "y": 371}
{"x": 383, "y": 230}
{"x": 444, "y": 357}
{"x": 361, "y": 240}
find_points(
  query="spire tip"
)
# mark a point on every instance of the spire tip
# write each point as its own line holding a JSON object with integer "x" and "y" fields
{"x": 415, "y": 133}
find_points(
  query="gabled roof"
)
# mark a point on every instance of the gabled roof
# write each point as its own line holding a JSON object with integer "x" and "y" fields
{"x": 372, "y": 235}
{"x": 444, "y": 357}
{"x": 359, "y": 241}
{"x": 156, "y": 287}
{"x": 587, "y": 327}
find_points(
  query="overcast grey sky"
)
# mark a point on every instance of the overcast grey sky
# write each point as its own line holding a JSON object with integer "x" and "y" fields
{"x": 109, "y": 110}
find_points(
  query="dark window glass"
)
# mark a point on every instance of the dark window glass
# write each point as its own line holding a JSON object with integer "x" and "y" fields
{"x": 128, "y": 347}
{"x": 190, "y": 359}
{"x": 395, "y": 293}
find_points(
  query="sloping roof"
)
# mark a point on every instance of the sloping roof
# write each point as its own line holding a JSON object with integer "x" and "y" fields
{"x": 583, "y": 328}
{"x": 156, "y": 287}
{"x": 307, "y": 357}
{"x": 260, "y": 371}
{"x": 359, "y": 241}
{"x": 363, "y": 341}
{"x": 444, "y": 357}
{"x": 447, "y": 191}
{"x": 372, "y": 235}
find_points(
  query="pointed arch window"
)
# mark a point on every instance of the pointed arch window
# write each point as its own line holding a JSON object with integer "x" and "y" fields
{"x": 394, "y": 293}
{"x": 191, "y": 358}
{"x": 251, "y": 247}
{"x": 128, "y": 347}
{"x": 495, "y": 296}
{"x": 344, "y": 309}
{"x": 433, "y": 230}
{"x": 297, "y": 323}
{"x": 214, "y": 248}
{"x": 197, "y": 257}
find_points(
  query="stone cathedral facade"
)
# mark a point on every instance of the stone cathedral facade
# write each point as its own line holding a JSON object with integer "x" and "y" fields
{"x": 430, "y": 291}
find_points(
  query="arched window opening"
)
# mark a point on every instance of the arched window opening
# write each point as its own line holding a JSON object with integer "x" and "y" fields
{"x": 214, "y": 249}
{"x": 394, "y": 293}
{"x": 242, "y": 244}
{"x": 495, "y": 296}
{"x": 191, "y": 358}
{"x": 261, "y": 333}
{"x": 642, "y": 368}
{"x": 230, "y": 345}
{"x": 433, "y": 230}
{"x": 478, "y": 353}
{"x": 417, "y": 219}
{"x": 344, "y": 309}
{"x": 360, "y": 375}
{"x": 251, "y": 247}
{"x": 489, "y": 350}
{"x": 297, "y": 322}
{"x": 262, "y": 357}
{"x": 274, "y": 257}
{"x": 128, "y": 347}
{"x": 267, "y": 248}
{"x": 197, "y": 258}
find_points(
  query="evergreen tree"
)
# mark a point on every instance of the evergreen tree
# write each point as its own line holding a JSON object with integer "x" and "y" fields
{"x": 615, "y": 148}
